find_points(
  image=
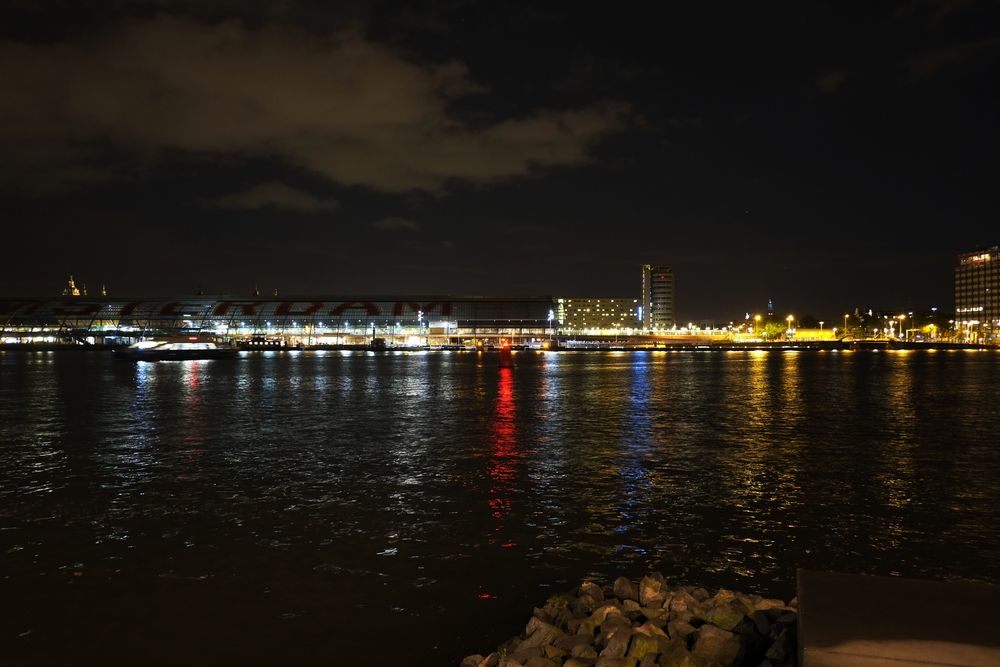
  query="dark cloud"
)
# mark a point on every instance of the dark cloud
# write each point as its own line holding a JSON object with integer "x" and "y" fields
{"x": 932, "y": 62}
{"x": 275, "y": 194}
{"x": 342, "y": 106}
{"x": 830, "y": 82}
{"x": 396, "y": 223}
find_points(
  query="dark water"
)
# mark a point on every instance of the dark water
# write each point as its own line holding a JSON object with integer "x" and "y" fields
{"x": 351, "y": 509}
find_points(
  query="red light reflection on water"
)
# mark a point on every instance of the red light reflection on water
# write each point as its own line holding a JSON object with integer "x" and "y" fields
{"x": 504, "y": 452}
{"x": 193, "y": 372}
{"x": 193, "y": 424}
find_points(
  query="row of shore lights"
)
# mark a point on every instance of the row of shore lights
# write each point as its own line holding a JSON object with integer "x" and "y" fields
{"x": 791, "y": 318}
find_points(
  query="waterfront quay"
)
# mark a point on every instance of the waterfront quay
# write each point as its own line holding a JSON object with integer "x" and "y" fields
{"x": 381, "y": 323}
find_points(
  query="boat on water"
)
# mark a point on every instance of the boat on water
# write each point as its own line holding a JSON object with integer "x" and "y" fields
{"x": 177, "y": 349}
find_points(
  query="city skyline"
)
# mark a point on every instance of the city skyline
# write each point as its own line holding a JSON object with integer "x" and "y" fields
{"x": 821, "y": 156}
{"x": 639, "y": 297}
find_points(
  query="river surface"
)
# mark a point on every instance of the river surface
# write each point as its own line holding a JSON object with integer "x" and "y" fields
{"x": 365, "y": 509}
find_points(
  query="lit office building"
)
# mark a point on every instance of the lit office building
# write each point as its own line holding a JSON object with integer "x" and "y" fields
{"x": 977, "y": 295}
{"x": 601, "y": 313}
{"x": 658, "y": 297}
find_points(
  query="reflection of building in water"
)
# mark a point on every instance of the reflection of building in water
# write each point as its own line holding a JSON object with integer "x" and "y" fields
{"x": 504, "y": 452}
{"x": 977, "y": 295}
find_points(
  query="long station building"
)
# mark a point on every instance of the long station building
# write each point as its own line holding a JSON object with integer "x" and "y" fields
{"x": 305, "y": 320}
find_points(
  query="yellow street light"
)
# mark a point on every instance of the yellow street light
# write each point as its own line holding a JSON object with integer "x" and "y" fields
{"x": 790, "y": 318}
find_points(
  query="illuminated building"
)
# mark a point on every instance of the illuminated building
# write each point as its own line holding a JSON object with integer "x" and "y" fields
{"x": 71, "y": 289}
{"x": 658, "y": 297}
{"x": 598, "y": 313}
{"x": 306, "y": 320}
{"x": 977, "y": 295}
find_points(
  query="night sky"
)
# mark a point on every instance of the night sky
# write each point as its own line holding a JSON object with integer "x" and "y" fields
{"x": 828, "y": 155}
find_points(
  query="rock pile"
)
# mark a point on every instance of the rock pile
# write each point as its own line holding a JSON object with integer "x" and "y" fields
{"x": 648, "y": 624}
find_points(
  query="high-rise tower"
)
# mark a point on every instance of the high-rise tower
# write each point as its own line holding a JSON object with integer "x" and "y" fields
{"x": 657, "y": 297}
{"x": 977, "y": 294}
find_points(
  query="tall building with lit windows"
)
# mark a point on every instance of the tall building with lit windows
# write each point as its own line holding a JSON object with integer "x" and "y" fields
{"x": 977, "y": 295}
{"x": 658, "y": 297}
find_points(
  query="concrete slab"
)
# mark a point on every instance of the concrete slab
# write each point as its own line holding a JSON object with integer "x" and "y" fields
{"x": 848, "y": 620}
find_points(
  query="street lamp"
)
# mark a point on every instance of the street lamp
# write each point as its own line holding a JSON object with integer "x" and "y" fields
{"x": 846, "y": 315}
{"x": 902, "y": 333}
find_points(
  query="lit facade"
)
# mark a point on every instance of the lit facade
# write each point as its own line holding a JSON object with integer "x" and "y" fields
{"x": 577, "y": 314}
{"x": 293, "y": 320}
{"x": 658, "y": 297}
{"x": 977, "y": 295}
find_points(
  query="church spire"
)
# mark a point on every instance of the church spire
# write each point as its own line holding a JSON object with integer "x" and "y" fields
{"x": 71, "y": 288}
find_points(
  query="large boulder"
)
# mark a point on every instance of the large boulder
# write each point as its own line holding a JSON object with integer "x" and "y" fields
{"x": 519, "y": 658}
{"x": 656, "y": 615}
{"x": 625, "y": 589}
{"x": 652, "y": 591}
{"x": 630, "y": 606}
{"x": 683, "y": 602}
{"x": 651, "y": 630}
{"x": 679, "y": 628}
{"x": 553, "y": 652}
{"x": 715, "y": 645}
{"x": 600, "y": 614}
{"x": 618, "y": 643}
{"x": 616, "y": 662}
{"x": 769, "y": 603}
{"x": 643, "y": 645}
{"x": 782, "y": 651}
{"x": 726, "y": 615}
{"x": 724, "y": 595}
{"x": 591, "y": 589}
{"x": 582, "y": 626}
{"x": 569, "y": 642}
{"x": 613, "y": 622}
{"x": 677, "y": 655}
{"x": 539, "y": 633}
{"x": 542, "y": 662}
{"x": 761, "y": 623}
